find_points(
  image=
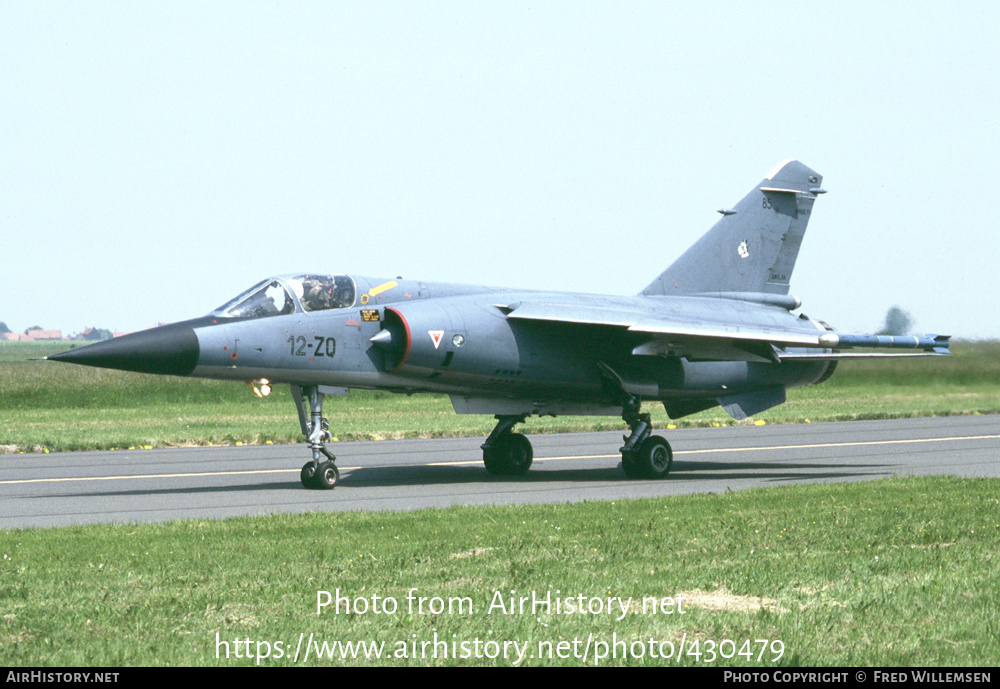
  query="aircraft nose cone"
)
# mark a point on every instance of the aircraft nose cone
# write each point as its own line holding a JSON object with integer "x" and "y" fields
{"x": 170, "y": 349}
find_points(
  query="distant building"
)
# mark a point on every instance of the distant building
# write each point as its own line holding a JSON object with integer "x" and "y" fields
{"x": 33, "y": 336}
{"x": 95, "y": 335}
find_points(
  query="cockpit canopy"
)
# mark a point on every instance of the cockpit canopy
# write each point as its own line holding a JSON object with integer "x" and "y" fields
{"x": 286, "y": 294}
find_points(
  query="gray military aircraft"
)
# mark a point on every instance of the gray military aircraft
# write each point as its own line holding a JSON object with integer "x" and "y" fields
{"x": 715, "y": 328}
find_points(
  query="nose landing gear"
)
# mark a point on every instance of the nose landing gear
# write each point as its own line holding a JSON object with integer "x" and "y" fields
{"x": 317, "y": 474}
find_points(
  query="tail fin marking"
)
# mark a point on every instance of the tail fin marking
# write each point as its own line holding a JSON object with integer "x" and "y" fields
{"x": 754, "y": 246}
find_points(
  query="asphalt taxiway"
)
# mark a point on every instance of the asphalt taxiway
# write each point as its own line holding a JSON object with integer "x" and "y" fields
{"x": 39, "y": 490}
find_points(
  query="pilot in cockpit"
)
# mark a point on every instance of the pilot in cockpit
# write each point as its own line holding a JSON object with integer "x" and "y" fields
{"x": 342, "y": 294}
{"x": 317, "y": 294}
{"x": 322, "y": 292}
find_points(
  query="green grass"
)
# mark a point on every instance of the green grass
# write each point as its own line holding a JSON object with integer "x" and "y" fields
{"x": 892, "y": 572}
{"x": 46, "y": 406}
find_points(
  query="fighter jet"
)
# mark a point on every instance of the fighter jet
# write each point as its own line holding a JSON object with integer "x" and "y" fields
{"x": 715, "y": 328}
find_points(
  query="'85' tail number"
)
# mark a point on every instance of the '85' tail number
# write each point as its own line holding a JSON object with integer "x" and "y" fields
{"x": 299, "y": 345}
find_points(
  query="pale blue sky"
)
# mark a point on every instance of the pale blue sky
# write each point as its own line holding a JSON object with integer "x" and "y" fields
{"x": 156, "y": 159}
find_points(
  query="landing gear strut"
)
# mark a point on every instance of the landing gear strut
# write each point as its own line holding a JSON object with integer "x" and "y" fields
{"x": 506, "y": 453}
{"x": 317, "y": 474}
{"x": 643, "y": 455}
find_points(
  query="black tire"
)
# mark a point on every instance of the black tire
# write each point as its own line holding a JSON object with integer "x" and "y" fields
{"x": 324, "y": 479}
{"x": 327, "y": 476}
{"x": 307, "y": 476}
{"x": 510, "y": 455}
{"x": 491, "y": 459}
{"x": 630, "y": 464}
{"x": 655, "y": 458}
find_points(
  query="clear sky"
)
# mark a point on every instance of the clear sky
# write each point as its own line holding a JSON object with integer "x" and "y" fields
{"x": 158, "y": 158}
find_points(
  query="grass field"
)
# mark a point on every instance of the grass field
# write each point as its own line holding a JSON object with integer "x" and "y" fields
{"x": 47, "y": 406}
{"x": 885, "y": 573}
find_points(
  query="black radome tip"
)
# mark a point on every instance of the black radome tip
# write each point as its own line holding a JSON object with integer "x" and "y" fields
{"x": 169, "y": 349}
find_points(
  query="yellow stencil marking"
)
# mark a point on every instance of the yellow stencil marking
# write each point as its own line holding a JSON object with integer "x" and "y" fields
{"x": 384, "y": 287}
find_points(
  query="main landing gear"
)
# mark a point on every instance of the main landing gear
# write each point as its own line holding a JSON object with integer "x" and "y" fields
{"x": 643, "y": 455}
{"x": 506, "y": 453}
{"x": 319, "y": 474}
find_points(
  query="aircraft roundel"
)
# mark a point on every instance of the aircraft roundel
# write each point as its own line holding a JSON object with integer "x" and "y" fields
{"x": 436, "y": 336}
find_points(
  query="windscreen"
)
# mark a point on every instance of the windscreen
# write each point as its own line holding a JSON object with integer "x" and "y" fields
{"x": 267, "y": 298}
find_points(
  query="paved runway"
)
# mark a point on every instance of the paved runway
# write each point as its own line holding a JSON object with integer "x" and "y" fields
{"x": 218, "y": 482}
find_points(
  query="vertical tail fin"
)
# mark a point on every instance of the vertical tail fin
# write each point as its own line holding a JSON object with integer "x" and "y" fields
{"x": 754, "y": 247}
